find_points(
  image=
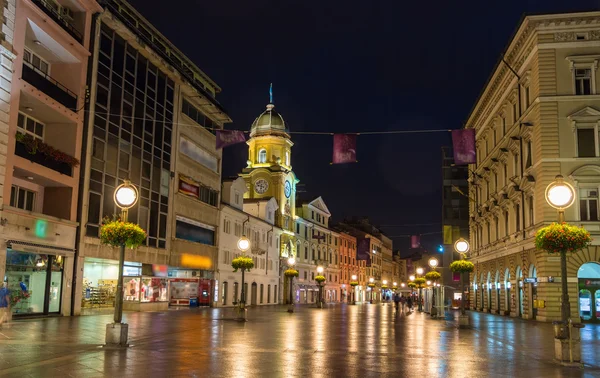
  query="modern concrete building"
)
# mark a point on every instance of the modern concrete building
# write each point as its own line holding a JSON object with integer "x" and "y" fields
{"x": 150, "y": 119}
{"x": 537, "y": 117}
{"x": 44, "y": 61}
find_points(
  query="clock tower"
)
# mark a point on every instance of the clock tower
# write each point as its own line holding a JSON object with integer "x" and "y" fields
{"x": 269, "y": 171}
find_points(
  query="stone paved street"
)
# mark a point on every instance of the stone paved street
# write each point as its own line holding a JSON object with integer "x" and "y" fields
{"x": 340, "y": 340}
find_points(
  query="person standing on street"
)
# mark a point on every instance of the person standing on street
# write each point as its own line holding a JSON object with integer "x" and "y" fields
{"x": 396, "y": 301}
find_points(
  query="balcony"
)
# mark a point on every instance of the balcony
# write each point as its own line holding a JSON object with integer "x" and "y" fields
{"x": 42, "y": 159}
{"x": 49, "y": 86}
{"x": 60, "y": 19}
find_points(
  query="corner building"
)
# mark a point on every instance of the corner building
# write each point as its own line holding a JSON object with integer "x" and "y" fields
{"x": 44, "y": 62}
{"x": 152, "y": 115}
{"x": 532, "y": 124}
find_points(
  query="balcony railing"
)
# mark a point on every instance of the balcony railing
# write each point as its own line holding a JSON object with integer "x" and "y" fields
{"x": 64, "y": 168}
{"x": 59, "y": 19}
{"x": 49, "y": 86}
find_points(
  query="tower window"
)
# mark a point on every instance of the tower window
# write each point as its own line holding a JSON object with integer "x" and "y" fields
{"x": 262, "y": 156}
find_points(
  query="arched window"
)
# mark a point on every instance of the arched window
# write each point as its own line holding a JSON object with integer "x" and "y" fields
{"x": 262, "y": 156}
{"x": 287, "y": 158}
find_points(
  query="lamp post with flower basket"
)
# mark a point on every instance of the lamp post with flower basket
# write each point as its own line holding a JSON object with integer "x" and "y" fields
{"x": 433, "y": 276}
{"x": 354, "y": 284}
{"x": 291, "y": 272}
{"x": 243, "y": 263}
{"x": 320, "y": 278}
{"x": 117, "y": 232}
{"x": 563, "y": 238}
{"x": 462, "y": 266}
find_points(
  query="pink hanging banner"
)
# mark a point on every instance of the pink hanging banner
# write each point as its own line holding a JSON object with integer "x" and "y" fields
{"x": 344, "y": 148}
{"x": 415, "y": 241}
{"x": 228, "y": 137}
{"x": 463, "y": 143}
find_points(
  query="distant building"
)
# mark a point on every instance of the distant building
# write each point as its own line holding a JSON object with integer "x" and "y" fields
{"x": 455, "y": 218}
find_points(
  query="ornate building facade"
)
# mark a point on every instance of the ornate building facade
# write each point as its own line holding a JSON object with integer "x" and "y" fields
{"x": 537, "y": 117}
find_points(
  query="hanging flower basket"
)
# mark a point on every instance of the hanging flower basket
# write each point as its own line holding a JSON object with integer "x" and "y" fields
{"x": 384, "y": 286}
{"x": 320, "y": 279}
{"x": 354, "y": 283}
{"x": 291, "y": 273}
{"x": 394, "y": 287}
{"x": 433, "y": 275}
{"x": 462, "y": 266}
{"x": 242, "y": 262}
{"x": 419, "y": 281}
{"x": 412, "y": 284}
{"x": 116, "y": 233}
{"x": 562, "y": 237}
{"x": 371, "y": 284}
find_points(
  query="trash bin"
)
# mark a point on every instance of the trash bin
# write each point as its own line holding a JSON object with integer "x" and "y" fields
{"x": 193, "y": 301}
{"x": 560, "y": 330}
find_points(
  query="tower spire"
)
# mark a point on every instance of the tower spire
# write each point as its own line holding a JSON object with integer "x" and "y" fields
{"x": 271, "y": 94}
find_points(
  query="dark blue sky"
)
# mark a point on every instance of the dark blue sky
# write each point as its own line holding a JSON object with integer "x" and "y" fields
{"x": 346, "y": 66}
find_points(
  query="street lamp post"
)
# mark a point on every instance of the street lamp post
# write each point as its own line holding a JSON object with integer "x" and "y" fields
{"x": 560, "y": 195}
{"x": 320, "y": 272}
{"x": 433, "y": 263}
{"x": 291, "y": 262}
{"x": 462, "y": 247}
{"x": 420, "y": 272}
{"x": 371, "y": 281}
{"x": 354, "y": 289}
{"x": 125, "y": 197}
{"x": 243, "y": 245}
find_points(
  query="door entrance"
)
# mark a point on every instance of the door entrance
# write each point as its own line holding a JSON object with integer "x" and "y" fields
{"x": 253, "y": 296}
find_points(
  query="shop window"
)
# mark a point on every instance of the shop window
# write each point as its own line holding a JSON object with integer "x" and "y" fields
{"x": 22, "y": 198}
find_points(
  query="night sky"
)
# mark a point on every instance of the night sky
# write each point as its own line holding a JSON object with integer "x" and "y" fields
{"x": 351, "y": 66}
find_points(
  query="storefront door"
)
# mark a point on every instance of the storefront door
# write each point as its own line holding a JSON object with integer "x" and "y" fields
{"x": 589, "y": 292}
{"x": 40, "y": 276}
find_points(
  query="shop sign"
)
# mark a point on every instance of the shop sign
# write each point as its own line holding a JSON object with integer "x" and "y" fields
{"x": 530, "y": 280}
{"x": 188, "y": 187}
{"x": 159, "y": 270}
{"x": 592, "y": 282}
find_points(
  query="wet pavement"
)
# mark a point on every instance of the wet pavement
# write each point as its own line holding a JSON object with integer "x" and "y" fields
{"x": 337, "y": 341}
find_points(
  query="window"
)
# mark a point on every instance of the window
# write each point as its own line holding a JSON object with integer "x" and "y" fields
{"x": 237, "y": 229}
{"x": 503, "y": 125}
{"x": 287, "y": 158}
{"x": 586, "y": 142}
{"x": 22, "y": 198}
{"x": 226, "y": 257}
{"x": 506, "y": 225}
{"x": 312, "y": 276}
{"x": 262, "y": 156}
{"x": 28, "y": 125}
{"x": 35, "y": 61}
{"x": 305, "y": 274}
{"x": 194, "y": 231}
{"x": 515, "y": 113}
{"x": 496, "y": 226}
{"x": 529, "y": 160}
{"x": 197, "y": 116}
{"x": 516, "y": 165}
{"x": 237, "y": 198}
{"x": 531, "y": 220}
{"x": 297, "y": 228}
{"x": 588, "y": 204}
{"x": 526, "y": 96}
{"x": 583, "y": 81}
{"x": 305, "y": 253}
{"x": 518, "y": 217}
{"x": 227, "y": 226}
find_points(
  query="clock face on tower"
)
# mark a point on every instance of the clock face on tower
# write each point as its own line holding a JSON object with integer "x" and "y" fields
{"x": 261, "y": 186}
{"x": 287, "y": 189}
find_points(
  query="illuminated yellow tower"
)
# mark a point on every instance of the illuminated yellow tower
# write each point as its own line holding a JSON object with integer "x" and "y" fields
{"x": 269, "y": 171}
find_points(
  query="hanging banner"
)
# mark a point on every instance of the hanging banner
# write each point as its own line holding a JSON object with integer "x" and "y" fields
{"x": 415, "y": 241}
{"x": 227, "y": 138}
{"x": 448, "y": 234}
{"x": 344, "y": 148}
{"x": 463, "y": 143}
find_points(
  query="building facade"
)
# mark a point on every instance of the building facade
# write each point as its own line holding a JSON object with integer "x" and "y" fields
{"x": 148, "y": 122}
{"x": 46, "y": 45}
{"x": 255, "y": 221}
{"x": 455, "y": 219}
{"x": 537, "y": 117}
{"x": 348, "y": 267}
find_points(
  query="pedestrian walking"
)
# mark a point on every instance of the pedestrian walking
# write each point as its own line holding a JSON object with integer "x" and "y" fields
{"x": 403, "y": 302}
{"x": 409, "y": 302}
{"x": 396, "y": 301}
{"x": 4, "y": 303}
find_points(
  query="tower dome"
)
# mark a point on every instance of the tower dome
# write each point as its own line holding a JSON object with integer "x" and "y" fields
{"x": 269, "y": 123}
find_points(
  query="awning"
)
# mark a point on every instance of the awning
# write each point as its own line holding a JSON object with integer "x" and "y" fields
{"x": 23, "y": 246}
